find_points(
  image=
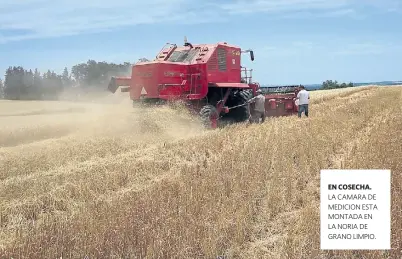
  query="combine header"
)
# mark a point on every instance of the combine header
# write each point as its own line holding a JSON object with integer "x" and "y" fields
{"x": 280, "y": 101}
{"x": 208, "y": 77}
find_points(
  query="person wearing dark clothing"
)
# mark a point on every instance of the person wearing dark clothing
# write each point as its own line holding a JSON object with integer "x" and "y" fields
{"x": 259, "y": 111}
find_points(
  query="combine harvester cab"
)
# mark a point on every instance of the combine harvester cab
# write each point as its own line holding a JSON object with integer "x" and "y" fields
{"x": 209, "y": 78}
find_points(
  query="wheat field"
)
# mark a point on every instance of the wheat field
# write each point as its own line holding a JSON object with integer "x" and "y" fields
{"x": 104, "y": 180}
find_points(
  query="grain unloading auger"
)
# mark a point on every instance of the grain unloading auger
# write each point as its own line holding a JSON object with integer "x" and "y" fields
{"x": 208, "y": 77}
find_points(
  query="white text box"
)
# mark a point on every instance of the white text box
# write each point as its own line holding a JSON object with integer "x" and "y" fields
{"x": 355, "y": 209}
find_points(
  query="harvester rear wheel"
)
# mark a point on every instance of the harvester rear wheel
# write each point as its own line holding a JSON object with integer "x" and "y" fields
{"x": 209, "y": 116}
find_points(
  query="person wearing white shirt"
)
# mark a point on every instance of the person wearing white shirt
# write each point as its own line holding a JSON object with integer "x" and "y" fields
{"x": 303, "y": 98}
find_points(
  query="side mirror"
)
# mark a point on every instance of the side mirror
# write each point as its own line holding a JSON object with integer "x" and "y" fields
{"x": 252, "y": 55}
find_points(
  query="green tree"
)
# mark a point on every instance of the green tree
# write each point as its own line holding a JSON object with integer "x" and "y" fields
{"x": 80, "y": 73}
{"x": 1, "y": 89}
{"x": 329, "y": 84}
{"x": 29, "y": 91}
{"x": 66, "y": 78}
{"x": 37, "y": 89}
{"x": 14, "y": 87}
{"x": 94, "y": 74}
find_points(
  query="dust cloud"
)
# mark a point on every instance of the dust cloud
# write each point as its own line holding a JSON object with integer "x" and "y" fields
{"x": 80, "y": 117}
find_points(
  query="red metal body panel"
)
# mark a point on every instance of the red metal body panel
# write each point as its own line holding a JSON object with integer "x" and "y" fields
{"x": 206, "y": 65}
{"x": 123, "y": 81}
{"x": 168, "y": 80}
{"x": 232, "y": 56}
{"x": 146, "y": 78}
{"x": 115, "y": 82}
{"x": 280, "y": 105}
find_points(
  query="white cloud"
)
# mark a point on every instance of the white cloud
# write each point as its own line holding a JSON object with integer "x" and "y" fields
{"x": 336, "y": 7}
{"x": 341, "y": 12}
{"x": 310, "y": 9}
{"x": 253, "y": 6}
{"x": 366, "y": 48}
{"x": 342, "y": 47}
{"x": 290, "y": 49}
{"x": 42, "y": 18}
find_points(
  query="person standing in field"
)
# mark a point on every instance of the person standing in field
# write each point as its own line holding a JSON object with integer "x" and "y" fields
{"x": 303, "y": 98}
{"x": 259, "y": 110}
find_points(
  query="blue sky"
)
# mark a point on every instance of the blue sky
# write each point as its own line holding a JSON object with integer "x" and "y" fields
{"x": 295, "y": 41}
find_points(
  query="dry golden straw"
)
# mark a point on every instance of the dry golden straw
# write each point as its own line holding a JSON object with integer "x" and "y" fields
{"x": 106, "y": 180}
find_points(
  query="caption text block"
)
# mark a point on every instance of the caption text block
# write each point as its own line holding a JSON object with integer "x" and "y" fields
{"x": 355, "y": 209}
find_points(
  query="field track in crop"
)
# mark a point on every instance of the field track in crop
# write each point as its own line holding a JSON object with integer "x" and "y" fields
{"x": 105, "y": 180}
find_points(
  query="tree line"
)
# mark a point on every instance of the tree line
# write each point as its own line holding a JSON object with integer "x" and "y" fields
{"x": 329, "y": 84}
{"x": 23, "y": 84}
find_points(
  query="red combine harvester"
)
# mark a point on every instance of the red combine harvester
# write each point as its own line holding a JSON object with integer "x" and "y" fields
{"x": 209, "y": 78}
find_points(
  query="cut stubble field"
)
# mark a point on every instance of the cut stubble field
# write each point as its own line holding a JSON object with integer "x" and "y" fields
{"x": 106, "y": 180}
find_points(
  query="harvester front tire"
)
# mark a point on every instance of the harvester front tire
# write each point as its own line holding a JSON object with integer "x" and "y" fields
{"x": 208, "y": 115}
{"x": 246, "y": 94}
{"x": 241, "y": 114}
